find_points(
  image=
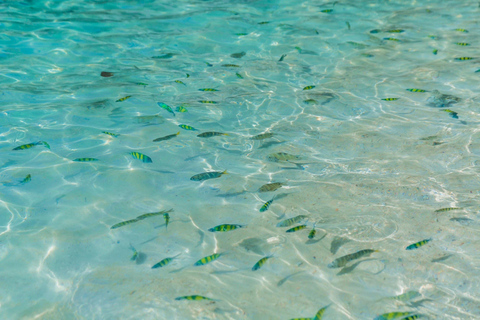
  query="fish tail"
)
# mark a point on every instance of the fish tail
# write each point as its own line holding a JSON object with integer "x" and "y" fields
{"x": 224, "y": 172}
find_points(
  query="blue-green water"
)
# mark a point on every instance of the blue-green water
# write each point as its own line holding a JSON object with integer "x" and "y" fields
{"x": 367, "y": 170}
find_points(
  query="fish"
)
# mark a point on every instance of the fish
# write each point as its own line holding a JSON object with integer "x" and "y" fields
{"x": 431, "y": 36}
{"x": 461, "y": 30}
{"x": 241, "y": 34}
{"x": 310, "y": 101}
{"x": 181, "y": 109}
{"x": 211, "y": 134}
{"x": 463, "y": 44}
{"x": 297, "y": 228}
{"x": 162, "y": 263}
{"x": 463, "y": 58}
{"x": 207, "y": 259}
{"x": 226, "y": 227}
{"x": 141, "y": 84}
{"x": 260, "y": 263}
{"x": 229, "y": 65}
{"x": 170, "y": 136}
{"x": 391, "y": 39}
{"x": 291, "y": 221}
{"x": 348, "y": 24}
{"x": 461, "y": 219}
{"x": 266, "y": 205}
{"x": 28, "y": 178}
{"x": 326, "y": 10}
{"x": 342, "y": 261}
{"x": 180, "y": 82}
{"x": 166, "y": 107}
{"x": 45, "y": 144}
{"x": 238, "y": 55}
{"x": 194, "y": 297}
{"x": 123, "y": 223}
{"x": 312, "y": 233}
{"x": 416, "y": 90}
{"x": 184, "y": 126}
{"x": 141, "y": 156}
{"x": 375, "y": 31}
{"x": 28, "y": 146}
{"x": 187, "y": 75}
{"x": 106, "y": 74}
{"x": 435, "y": 51}
{"x": 308, "y": 88}
{"x": 453, "y": 114}
{"x": 319, "y": 314}
{"x": 135, "y": 253}
{"x": 208, "y": 89}
{"x": 209, "y": 64}
{"x": 412, "y": 317}
{"x": 409, "y": 295}
{"x": 357, "y": 44}
{"x": 271, "y": 187}
{"x": 208, "y": 101}
{"x": 392, "y": 315}
{"x": 208, "y": 175}
{"x": 123, "y": 99}
{"x": 419, "y": 244}
{"x": 164, "y": 56}
{"x": 282, "y": 156}
{"x": 395, "y": 31}
{"x": 166, "y": 216}
{"x": 111, "y": 134}
{"x": 262, "y": 136}
{"x": 239, "y": 75}
{"x": 390, "y": 99}
{"x": 153, "y": 214}
{"x": 282, "y": 57}
{"x": 85, "y": 159}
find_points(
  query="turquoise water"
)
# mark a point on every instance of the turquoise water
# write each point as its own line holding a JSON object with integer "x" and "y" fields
{"x": 366, "y": 169}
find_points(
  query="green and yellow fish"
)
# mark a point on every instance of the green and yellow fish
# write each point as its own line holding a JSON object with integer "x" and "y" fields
{"x": 180, "y": 82}
{"x": 181, "y": 109}
{"x": 419, "y": 244}
{"x": 123, "y": 99}
{"x": 260, "y": 263}
{"x": 111, "y": 134}
{"x": 194, "y": 297}
{"x": 153, "y": 214}
{"x": 28, "y": 178}
{"x": 390, "y": 99}
{"x": 392, "y": 315}
{"x": 412, "y": 317}
{"x": 319, "y": 314}
{"x": 207, "y": 101}
{"x": 209, "y": 64}
{"x": 166, "y": 107}
{"x": 453, "y": 114}
{"x": 185, "y": 127}
{"x": 208, "y": 175}
{"x": 123, "y": 223}
{"x": 391, "y": 39}
{"x": 226, "y": 227}
{"x": 271, "y": 187}
{"x": 326, "y": 10}
{"x": 264, "y": 22}
{"x": 135, "y": 253}
{"x": 395, "y": 31}
{"x": 297, "y": 228}
{"x": 211, "y": 134}
{"x": 463, "y": 44}
{"x": 187, "y": 75}
{"x": 447, "y": 209}
{"x": 141, "y": 84}
{"x": 262, "y": 136}
{"x": 166, "y": 216}
{"x": 170, "y": 136}
{"x": 241, "y": 34}
{"x": 416, "y": 90}
{"x": 463, "y": 58}
{"x": 239, "y": 75}
{"x": 141, "y": 156}
{"x": 29, "y": 145}
{"x": 308, "y": 87}
{"x": 435, "y": 51}
{"x": 229, "y": 65}
{"x": 208, "y": 89}
{"x": 266, "y": 205}
{"x": 85, "y": 159}
{"x": 461, "y": 30}
{"x": 312, "y": 233}
{"x": 291, "y": 221}
{"x": 342, "y": 261}
{"x": 207, "y": 259}
{"x": 162, "y": 263}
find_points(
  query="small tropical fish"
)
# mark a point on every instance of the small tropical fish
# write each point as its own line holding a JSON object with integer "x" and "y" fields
{"x": 327, "y": 10}
{"x": 45, "y": 144}
{"x": 162, "y": 263}
{"x": 391, "y": 39}
{"x": 85, "y": 159}
{"x": 308, "y": 87}
{"x": 239, "y": 75}
{"x": 141, "y": 156}
{"x": 412, "y": 317}
{"x": 166, "y": 216}
{"x": 238, "y": 55}
{"x": 208, "y": 89}
{"x": 390, "y": 99}
{"x": 226, "y": 227}
{"x": 392, "y": 315}
{"x": 291, "y": 221}
{"x": 123, "y": 99}
{"x": 164, "y": 56}
{"x": 241, "y": 34}
{"x": 207, "y": 175}
{"x": 106, "y": 74}
{"x": 211, "y": 134}
{"x": 357, "y": 44}
{"x": 312, "y": 233}
{"x": 141, "y": 84}
{"x": 342, "y": 261}
{"x": 187, "y": 75}
{"x": 463, "y": 44}
{"x": 435, "y": 51}
{"x": 395, "y": 31}
{"x": 111, "y": 134}
{"x": 461, "y": 30}
{"x": 28, "y": 178}
{"x": 417, "y": 245}
{"x": 208, "y": 101}
{"x": 209, "y": 64}
{"x": 170, "y": 136}
{"x": 375, "y": 31}
{"x": 282, "y": 156}
{"x": 319, "y": 314}
{"x": 153, "y": 214}
{"x": 194, "y": 297}
{"x": 228, "y": 65}
{"x": 447, "y": 209}
{"x": 266, "y": 205}
{"x": 264, "y": 22}
{"x": 282, "y": 57}
{"x": 297, "y": 228}
{"x": 28, "y": 146}
{"x": 463, "y": 58}
{"x": 271, "y": 187}
{"x": 453, "y": 114}
{"x": 207, "y": 259}
{"x": 348, "y": 25}
{"x": 135, "y": 253}
{"x": 262, "y": 136}
{"x": 180, "y": 82}
{"x": 123, "y": 223}
{"x": 181, "y": 109}
{"x": 166, "y": 107}
{"x": 310, "y": 101}
{"x": 409, "y": 295}
{"x": 184, "y": 126}
{"x": 260, "y": 263}
{"x": 416, "y": 90}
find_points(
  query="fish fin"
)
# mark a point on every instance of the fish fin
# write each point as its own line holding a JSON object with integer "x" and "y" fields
{"x": 178, "y": 133}
{"x": 225, "y": 172}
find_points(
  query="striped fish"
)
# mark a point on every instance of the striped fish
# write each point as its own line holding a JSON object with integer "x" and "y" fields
{"x": 194, "y": 297}
{"x": 226, "y": 227}
{"x": 208, "y": 101}
{"x": 262, "y": 136}
{"x": 266, "y": 205}
{"x": 419, "y": 244}
{"x": 211, "y": 134}
{"x": 180, "y": 82}
{"x": 166, "y": 107}
{"x": 28, "y": 178}
{"x": 260, "y": 263}
{"x": 28, "y": 146}
{"x": 111, "y": 134}
{"x": 184, "y": 126}
{"x": 308, "y": 88}
{"x": 124, "y": 223}
{"x": 85, "y": 159}
{"x": 297, "y": 228}
{"x": 463, "y": 58}
{"x": 342, "y": 261}
{"x": 153, "y": 214}
{"x": 208, "y": 89}
{"x": 164, "y": 262}
{"x": 170, "y": 136}
{"x": 291, "y": 221}
{"x": 390, "y": 99}
{"x": 392, "y": 315}
{"x": 207, "y": 175}
{"x": 416, "y": 90}
{"x": 207, "y": 259}
{"x": 141, "y": 156}
{"x": 447, "y": 209}
{"x": 271, "y": 187}
{"x": 123, "y": 99}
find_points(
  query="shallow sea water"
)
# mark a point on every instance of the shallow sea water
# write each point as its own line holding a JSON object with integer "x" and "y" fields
{"x": 370, "y": 173}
